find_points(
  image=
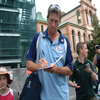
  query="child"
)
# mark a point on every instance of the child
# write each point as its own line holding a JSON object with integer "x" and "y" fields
{"x": 6, "y": 93}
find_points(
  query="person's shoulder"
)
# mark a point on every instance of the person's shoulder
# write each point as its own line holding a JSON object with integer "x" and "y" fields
{"x": 36, "y": 36}
{"x": 67, "y": 40}
{"x": 65, "y": 37}
{"x": 15, "y": 94}
{"x": 98, "y": 57}
{"x": 89, "y": 61}
{"x": 62, "y": 35}
{"x": 75, "y": 63}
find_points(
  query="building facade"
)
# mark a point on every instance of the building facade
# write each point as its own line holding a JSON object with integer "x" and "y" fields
{"x": 75, "y": 24}
{"x": 17, "y": 28}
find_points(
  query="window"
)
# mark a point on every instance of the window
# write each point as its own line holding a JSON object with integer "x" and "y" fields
{"x": 73, "y": 39}
{"x": 90, "y": 17}
{"x": 78, "y": 17}
{"x": 79, "y": 36}
{"x": 41, "y": 28}
{"x": 89, "y": 37}
{"x": 84, "y": 37}
{"x": 87, "y": 17}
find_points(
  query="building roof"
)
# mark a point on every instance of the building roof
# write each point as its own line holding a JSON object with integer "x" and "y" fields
{"x": 40, "y": 17}
{"x": 71, "y": 10}
{"x": 72, "y": 24}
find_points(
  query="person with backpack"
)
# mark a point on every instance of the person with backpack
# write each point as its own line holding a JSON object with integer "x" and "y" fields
{"x": 6, "y": 93}
{"x": 54, "y": 47}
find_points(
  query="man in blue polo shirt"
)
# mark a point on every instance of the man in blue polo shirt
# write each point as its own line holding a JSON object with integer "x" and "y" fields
{"x": 53, "y": 45}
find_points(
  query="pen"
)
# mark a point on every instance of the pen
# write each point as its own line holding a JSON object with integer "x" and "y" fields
{"x": 57, "y": 60}
{"x": 43, "y": 54}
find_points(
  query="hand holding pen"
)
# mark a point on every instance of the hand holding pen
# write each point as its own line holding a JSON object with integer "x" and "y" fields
{"x": 52, "y": 67}
{"x": 42, "y": 62}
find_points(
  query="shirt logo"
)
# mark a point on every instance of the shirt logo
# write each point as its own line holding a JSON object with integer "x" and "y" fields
{"x": 59, "y": 49}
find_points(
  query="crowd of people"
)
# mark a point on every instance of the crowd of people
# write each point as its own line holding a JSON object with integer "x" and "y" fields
{"x": 53, "y": 79}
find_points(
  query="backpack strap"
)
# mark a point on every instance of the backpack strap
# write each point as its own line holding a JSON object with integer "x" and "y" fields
{"x": 38, "y": 46}
{"x": 16, "y": 95}
{"x": 65, "y": 44}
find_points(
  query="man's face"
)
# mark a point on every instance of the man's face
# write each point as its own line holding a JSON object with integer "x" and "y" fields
{"x": 53, "y": 22}
{"x": 84, "y": 51}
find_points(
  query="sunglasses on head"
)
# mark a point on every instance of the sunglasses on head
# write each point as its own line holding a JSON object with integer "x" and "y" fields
{"x": 55, "y": 6}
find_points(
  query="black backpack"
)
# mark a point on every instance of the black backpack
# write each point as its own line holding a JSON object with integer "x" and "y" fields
{"x": 32, "y": 88}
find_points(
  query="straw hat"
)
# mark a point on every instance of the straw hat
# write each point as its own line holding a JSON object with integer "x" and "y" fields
{"x": 3, "y": 70}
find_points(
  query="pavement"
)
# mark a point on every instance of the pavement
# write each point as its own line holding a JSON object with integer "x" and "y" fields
{"x": 72, "y": 94}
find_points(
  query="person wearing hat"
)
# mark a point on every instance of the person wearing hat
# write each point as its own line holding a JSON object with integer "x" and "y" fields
{"x": 6, "y": 93}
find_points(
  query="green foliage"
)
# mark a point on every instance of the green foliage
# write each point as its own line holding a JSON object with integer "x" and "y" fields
{"x": 96, "y": 37}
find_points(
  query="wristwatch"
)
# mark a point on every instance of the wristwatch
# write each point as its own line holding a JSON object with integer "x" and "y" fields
{"x": 91, "y": 72}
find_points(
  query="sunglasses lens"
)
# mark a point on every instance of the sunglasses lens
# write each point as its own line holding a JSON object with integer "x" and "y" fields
{"x": 55, "y": 6}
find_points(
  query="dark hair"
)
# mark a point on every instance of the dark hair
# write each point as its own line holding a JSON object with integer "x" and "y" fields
{"x": 79, "y": 46}
{"x": 54, "y": 8}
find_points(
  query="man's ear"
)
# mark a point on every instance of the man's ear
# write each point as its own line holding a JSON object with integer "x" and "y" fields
{"x": 81, "y": 50}
{"x": 47, "y": 20}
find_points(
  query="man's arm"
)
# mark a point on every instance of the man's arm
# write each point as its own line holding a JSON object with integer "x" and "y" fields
{"x": 73, "y": 84}
{"x": 95, "y": 60}
{"x": 31, "y": 66}
{"x": 95, "y": 57}
{"x": 60, "y": 70}
{"x": 91, "y": 72}
{"x": 71, "y": 81}
{"x": 93, "y": 76}
{"x": 63, "y": 70}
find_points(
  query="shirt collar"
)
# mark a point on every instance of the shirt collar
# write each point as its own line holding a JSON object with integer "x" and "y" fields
{"x": 80, "y": 62}
{"x": 61, "y": 38}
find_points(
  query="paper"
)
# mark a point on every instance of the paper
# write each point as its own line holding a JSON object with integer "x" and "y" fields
{"x": 52, "y": 65}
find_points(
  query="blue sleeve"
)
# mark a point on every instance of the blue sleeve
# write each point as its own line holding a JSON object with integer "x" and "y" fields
{"x": 69, "y": 58}
{"x": 98, "y": 62}
{"x": 31, "y": 55}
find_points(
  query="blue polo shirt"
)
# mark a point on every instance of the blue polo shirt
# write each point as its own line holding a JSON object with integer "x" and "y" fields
{"x": 54, "y": 86}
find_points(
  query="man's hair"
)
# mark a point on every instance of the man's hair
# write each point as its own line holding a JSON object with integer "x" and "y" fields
{"x": 54, "y": 8}
{"x": 79, "y": 46}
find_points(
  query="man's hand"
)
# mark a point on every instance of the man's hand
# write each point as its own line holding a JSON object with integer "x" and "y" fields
{"x": 73, "y": 84}
{"x": 51, "y": 69}
{"x": 42, "y": 63}
{"x": 88, "y": 69}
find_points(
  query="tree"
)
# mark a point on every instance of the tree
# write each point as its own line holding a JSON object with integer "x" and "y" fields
{"x": 96, "y": 37}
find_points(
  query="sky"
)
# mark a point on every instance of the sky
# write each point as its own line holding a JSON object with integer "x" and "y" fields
{"x": 65, "y": 5}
